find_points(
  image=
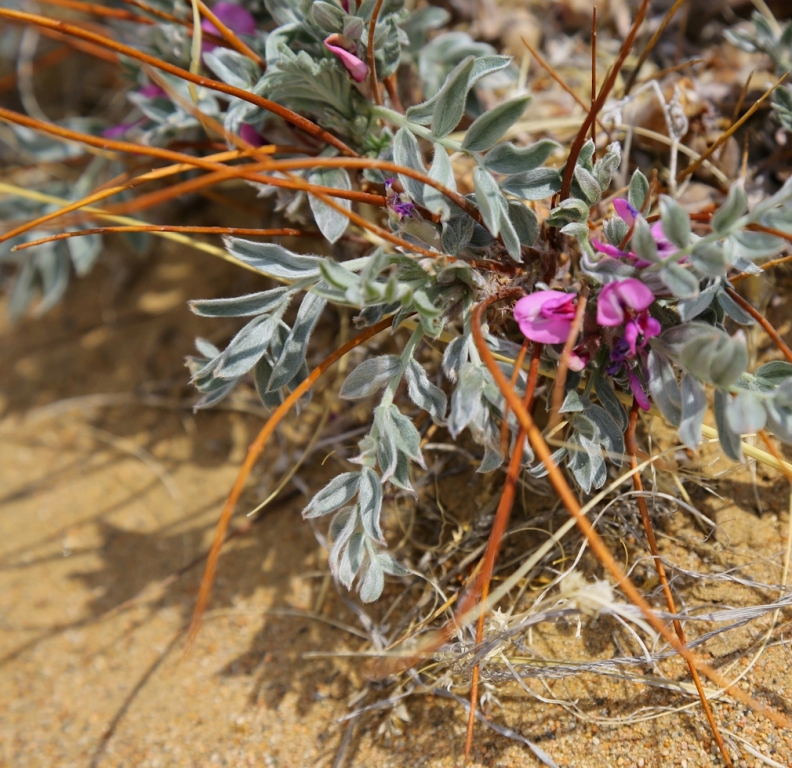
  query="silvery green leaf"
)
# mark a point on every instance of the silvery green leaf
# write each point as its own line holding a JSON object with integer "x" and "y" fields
{"x": 607, "y": 396}
{"x": 610, "y": 433}
{"x": 525, "y": 222}
{"x": 345, "y": 554}
{"x": 390, "y": 566}
{"x": 733, "y": 309}
{"x": 489, "y": 199}
{"x": 639, "y": 189}
{"x": 372, "y": 581}
{"x": 425, "y": 394}
{"x": 337, "y": 275}
{"x": 387, "y": 452}
{"x": 262, "y": 373}
{"x": 605, "y": 168}
{"x": 779, "y": 413}
{"x": 694, "y": 406}
{"x": 206, "y": 348}
{"x": 332, "y": 223}
{"x": 273, "y": 260}
{"x": 457, "y": 232}
{"x": 537, "y": 184}
{"x": 735, "y": 205}
{"x": 216, "y": 395}
{"x": 329, "y": 18}
{"x": 745, "y": 413}
{"x": 334, "y": 495}
{"x": 591, "y": 190}
{"x": 509, "y": 159}
{"x": 540, "y": 470}
{"x": 487, "y": 129}
{"x": 245, "y": 349}
{"x": 729, "y": 438}
{"x": 709, "y": 259}
{"x": 643, "y": 242}
{"x": 586, "y": 463}
{"x": 242, "y": 306}
{"x": 454, "y": 357}
{"x": 466, "y": 405}
{"x": 508, "y": 233}
{"x": 408, "y": 439}
{"x": 232, "y": 67}
{"x": 370, "y": 503}
{"x": 296, "y": 345}
{"x": 616, "y": 230}
{"x": 676, "y": 221}
{"x": 370, "y": 376}
{"x": 401, "y": 473}
{"x": 573, "y": 403}
{"x": 586, "y": 155}
{"x": 450, "y": 105}
{"x": 680, "y": 281}
{"x": 772, "y": 374}
{"x": 728, "y": 366}
{"x": 568, "y": 211}
{"x": 340, "y": 521}
{"x": 443, "y": 172}
{"x": 406, "y": 152}
{"x": 694, "y": 307}
{"x": 491, "y": 461}
{"x": 664, "y": 388}
{"x": 752, "y": 245}
{"x": 483, "y": 66}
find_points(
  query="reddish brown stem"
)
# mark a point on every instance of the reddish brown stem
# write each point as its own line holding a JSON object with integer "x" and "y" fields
{"x": 254, "y": 451}
{"x": 288, "y": 115}
{"x": 504, "y": 433}
{"x": 643, "y": 508}
{"x": 762, "y": 320}
{"x": 607, "y": 87}
{"x": 502, "y": 516}
{"x": 229, "y": 36}
{"x": 563, "y": 366}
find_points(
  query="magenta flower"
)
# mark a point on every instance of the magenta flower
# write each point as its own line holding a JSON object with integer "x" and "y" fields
{"x": 343, "y": 49}
{"x": 250, "y": 135}
{"x": 638, "y": 391}
{"x": 546, "y": 316}
{"x": 618, "y": 298}
{"x": 235, "y": 17}
{"x": 628, "y": 214}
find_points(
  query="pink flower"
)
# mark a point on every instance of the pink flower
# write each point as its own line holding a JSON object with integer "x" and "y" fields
{"x": 546, "y": 316}
{"x": 617, "y": 298}
{"x": 344, "y": 49}
{"x": 626, "y": 212}
{"x": 235, "y": 17}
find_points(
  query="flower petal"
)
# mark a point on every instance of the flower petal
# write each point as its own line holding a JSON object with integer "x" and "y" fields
{"x": 545, "y": 316}
{"x": 626, "y": 212}
{"x": 355, "y": 66}
{"x": 610, "y": 310}
{"x": 634, "y": 294}
{"x": 235, "y": 17}
{"x": 637, "y": 389}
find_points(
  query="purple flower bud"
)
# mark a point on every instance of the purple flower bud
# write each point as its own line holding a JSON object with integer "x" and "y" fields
{"x": 235, "y": 17}
{"x": 343, "y": 50}
{"x": 250, "y": 135}
{"x": 616, "y": 298}
{"x": 626, "y": 211}
{"x": 152, "y": 91}
{"x": 637, "y": 389}
{"x": 546, "y": 316}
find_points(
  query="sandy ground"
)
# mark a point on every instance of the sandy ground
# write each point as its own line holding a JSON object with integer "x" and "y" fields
{"x": 102, "y": 499}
